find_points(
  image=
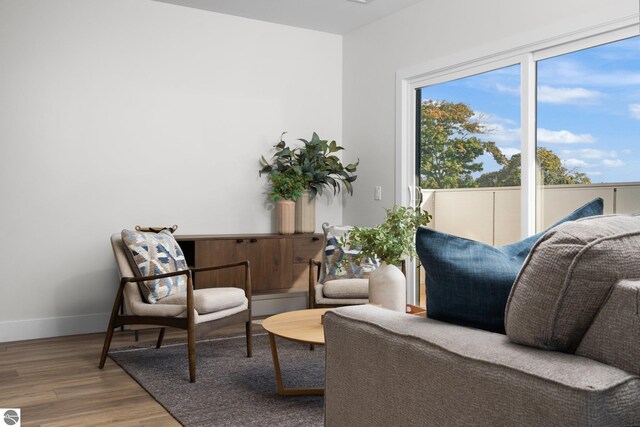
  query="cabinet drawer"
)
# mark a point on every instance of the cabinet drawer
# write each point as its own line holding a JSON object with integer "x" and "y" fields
{"x": 307, "y": 247}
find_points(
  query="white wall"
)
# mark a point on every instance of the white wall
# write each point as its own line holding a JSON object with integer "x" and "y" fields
{"x": 122, "y": 112}
{"x": 445, "y": 31}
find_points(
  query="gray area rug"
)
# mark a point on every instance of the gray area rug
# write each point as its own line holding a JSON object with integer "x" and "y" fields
{"x": 231, "y": 389}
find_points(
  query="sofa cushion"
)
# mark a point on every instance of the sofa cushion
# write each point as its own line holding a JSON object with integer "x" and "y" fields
{"x": 339, "y": 262}
{"x": 209, "y": 300}
{"x": 567, "y": 278}
{"x": 468, "y": 282}
{"x": 346, "y": 288}
{"x": 156, "y": 253}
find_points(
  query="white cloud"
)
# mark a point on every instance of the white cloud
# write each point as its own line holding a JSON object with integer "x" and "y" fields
{"x": 613, "y": 163}
{"x": 590, "y": 153}
{"x": 512, "y": 90}
{"x": 502, "y": 134}
{"x": 563, "y": 137}
{"x": 575, "y": 163}
{"x": 570, "y": 71}
{"x": 498, "y": 129}
{"x": 509, "y": 151}
{"x": 566, "y": 95}
{"x": 634, "y": 109}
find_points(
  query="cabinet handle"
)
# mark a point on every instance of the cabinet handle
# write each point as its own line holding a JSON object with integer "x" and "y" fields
{"x": 315, "y": 239}
{"x": 239, "y": 240}
{"x": 254, "y": 240}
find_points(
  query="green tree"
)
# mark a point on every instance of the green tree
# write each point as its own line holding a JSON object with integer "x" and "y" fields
{"x": 449, "y": 147}
{"x": 551, "y": 168}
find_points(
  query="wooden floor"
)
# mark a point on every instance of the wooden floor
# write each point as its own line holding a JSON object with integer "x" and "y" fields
{"x": 56, "y": 381}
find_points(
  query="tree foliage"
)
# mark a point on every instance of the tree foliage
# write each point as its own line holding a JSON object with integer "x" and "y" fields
{"x": 550, "y": 166}
{"x": 450, "y": 148}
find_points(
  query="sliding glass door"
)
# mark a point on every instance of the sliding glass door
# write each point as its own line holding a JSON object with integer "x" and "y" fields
{"x": 505, "y": 148}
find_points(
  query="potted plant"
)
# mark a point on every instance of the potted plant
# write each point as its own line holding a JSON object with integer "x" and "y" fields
{"x": 390, "y": 243}
{"x": 287, "y": 184}
{"x": 320, "y": 167}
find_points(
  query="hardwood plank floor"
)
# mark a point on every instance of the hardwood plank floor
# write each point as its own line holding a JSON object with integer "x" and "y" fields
{"x": 56, "y": 381}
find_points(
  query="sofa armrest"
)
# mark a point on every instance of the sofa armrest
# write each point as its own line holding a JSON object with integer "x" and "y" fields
{"x": 614, "y": 335}
{"x": 389, "y": 368}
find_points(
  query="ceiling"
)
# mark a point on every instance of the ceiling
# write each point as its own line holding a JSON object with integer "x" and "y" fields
{"x": 331, "y": 16}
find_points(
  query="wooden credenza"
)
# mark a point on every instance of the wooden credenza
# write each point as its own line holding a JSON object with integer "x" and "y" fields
{"x": 279, "y": 263}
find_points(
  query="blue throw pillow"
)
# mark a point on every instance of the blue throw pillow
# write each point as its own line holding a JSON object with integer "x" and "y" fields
{"x": 468, "y": 282}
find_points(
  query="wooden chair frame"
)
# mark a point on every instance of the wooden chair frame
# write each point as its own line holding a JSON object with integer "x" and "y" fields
{"x": 117, "y": 320}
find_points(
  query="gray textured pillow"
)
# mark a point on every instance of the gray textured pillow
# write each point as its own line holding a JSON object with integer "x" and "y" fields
{"x": 567, "y": 277}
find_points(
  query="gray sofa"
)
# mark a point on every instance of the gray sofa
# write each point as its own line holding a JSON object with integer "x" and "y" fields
{"x": 574, "y": 314}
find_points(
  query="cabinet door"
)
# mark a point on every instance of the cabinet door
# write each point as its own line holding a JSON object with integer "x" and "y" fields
{"x": 305, "y": 247}
{"x": 217, "y": 252}
{"x": 271, "y": 263}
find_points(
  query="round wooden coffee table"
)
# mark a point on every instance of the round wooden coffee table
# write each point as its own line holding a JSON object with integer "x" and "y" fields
{"x": 302, "y": 326}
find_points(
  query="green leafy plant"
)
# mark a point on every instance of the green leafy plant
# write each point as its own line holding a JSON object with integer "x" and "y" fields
{"x": 285, "y": 185}
{"x": 322, "y": 168}
{"x": 391, "y": 241}
{"x": 315, "y": 161}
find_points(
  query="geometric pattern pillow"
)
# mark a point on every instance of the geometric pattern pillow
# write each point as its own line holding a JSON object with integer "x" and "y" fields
{"x": 156, "y": 253}
{"x": 340, "y": 262}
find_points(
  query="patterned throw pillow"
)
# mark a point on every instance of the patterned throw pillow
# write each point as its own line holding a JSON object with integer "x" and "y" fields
{"x": 156, "y": 253}
{"x": 334, "y": 267}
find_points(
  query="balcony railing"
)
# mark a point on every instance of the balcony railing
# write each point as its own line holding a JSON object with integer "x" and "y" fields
{"x": 492, "y": 215}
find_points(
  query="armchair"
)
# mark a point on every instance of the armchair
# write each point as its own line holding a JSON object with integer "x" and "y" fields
{"x": 329, "y": 288}
{"x": 198, "y": 311}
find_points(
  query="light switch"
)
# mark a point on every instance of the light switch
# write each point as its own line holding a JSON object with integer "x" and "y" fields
{"x": 378, "y": 193}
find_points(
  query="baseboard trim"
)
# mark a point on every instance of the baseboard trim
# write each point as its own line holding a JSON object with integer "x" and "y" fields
{"x": 20, "y": 330}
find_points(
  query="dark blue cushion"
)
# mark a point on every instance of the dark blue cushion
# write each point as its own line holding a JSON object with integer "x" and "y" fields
{"x": 468, "y": 282}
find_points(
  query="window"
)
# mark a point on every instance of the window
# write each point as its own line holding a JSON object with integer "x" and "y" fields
{"x": 564, "y": 114}
{"x": 469, "y": 131}
{"x": 588, "y": 129}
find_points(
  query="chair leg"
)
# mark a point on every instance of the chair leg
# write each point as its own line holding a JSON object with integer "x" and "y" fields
{"x": 191, "y": 336}
{"x": 112, "y": 325}
{"x": 249, "y": 339}
{"x": 160, "y": 338}
{"x": 105, "y": 346}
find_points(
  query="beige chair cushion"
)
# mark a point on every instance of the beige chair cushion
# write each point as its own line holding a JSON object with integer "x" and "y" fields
{"x": 209, "y": 300}
{"x": 346, "y": 288}
{"x": 568, "y": 276}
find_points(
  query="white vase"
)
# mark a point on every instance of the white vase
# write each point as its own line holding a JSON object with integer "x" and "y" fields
{"x": 285, "y": 212}
{"x": 388, "y": 288}
{"x": 305, "y": 213}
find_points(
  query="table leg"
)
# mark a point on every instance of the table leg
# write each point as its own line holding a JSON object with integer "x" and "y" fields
{"x": 279, "y": 385}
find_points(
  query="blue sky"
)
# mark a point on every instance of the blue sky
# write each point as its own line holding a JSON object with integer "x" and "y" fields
{"x": 588, "y": 106}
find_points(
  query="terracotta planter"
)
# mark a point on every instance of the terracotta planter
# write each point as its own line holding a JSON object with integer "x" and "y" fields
{"x": 305, "y": 213}
{"x": 387, "y": 288}
{"x": 285, "y": 216}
